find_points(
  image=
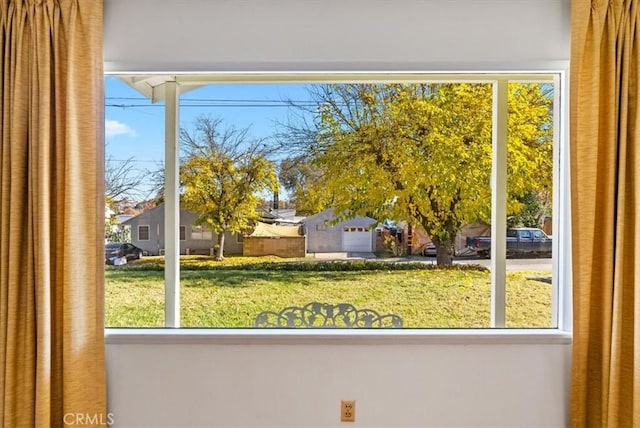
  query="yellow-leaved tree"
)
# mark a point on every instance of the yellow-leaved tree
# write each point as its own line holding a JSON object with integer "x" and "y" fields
{"x": 421, "y": 153}
{"x": 222, "y": 174}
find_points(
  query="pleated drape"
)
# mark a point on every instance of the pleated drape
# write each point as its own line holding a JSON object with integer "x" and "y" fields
{"x": 52, "y": 369}
{"x": 605, "y": 174}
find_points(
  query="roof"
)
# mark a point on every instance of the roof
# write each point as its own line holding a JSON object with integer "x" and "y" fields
{"x": 153, "y": 86}
{"x": 329, "y": 215}
{"x": 143, "y": 214}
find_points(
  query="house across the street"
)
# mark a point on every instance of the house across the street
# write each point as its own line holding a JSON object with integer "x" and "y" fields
{"x": 353, "y": 235}
{"x": 147, "y": 233}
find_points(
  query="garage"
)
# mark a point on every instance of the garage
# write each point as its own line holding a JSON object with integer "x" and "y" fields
{"x": 356, "y": 239}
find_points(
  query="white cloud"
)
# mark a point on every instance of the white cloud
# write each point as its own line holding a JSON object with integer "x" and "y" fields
{"x": 113, "y": 128}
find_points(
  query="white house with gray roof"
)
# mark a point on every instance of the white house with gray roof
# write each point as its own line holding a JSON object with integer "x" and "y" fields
{"x": 147, "y": 233}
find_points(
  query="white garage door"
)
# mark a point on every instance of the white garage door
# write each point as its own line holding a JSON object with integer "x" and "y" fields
{"x": 356, "y": 239}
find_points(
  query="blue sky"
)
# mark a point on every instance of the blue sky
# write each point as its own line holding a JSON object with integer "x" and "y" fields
{"x": 134, "y": 128}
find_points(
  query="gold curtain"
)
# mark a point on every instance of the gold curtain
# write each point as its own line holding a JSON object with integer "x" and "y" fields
{"x": 605, "y": 173}
{"x": 52, "y": 369}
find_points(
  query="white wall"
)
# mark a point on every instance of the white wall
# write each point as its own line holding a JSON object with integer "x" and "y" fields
{"x": 271, "y": 381}
{"x": 402, "y": 382}
{"x": 319, "y": 35}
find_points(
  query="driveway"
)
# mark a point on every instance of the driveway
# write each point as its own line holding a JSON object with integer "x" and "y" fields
{"x": 345, "y": 256}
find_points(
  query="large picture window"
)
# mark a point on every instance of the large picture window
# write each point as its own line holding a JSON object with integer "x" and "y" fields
{"x": 432, "y": 198}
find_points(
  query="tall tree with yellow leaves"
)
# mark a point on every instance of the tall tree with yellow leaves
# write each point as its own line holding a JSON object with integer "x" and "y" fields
{"x": 223, "y": 173}
{"x": 421, "y": 153}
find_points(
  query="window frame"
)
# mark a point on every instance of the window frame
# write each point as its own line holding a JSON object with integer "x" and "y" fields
{"x": 205, "y": 234}
{"x": 562, "y": 277}
{"x": 148, "y": 232}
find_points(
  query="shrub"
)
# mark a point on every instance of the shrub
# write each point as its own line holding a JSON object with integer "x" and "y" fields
{"x": 207, "y": 263}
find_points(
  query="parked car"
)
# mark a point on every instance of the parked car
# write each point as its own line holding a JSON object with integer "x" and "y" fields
{"x": 429, "y": 250}
{"x": 118, "y": 250}
{"x": 521, "y": 241}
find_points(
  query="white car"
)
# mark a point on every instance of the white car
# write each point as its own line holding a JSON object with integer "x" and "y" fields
{"x": 429, "y": 250}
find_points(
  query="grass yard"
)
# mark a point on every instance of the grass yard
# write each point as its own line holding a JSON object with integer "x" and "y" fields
{"x": 232, "y": 293}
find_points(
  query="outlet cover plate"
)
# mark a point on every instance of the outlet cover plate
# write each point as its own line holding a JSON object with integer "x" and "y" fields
{"x": 348, "y": 411}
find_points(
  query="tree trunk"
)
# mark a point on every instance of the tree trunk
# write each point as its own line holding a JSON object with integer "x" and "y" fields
{"x": 220, "y": 252}
{"x": 444, "y": 252}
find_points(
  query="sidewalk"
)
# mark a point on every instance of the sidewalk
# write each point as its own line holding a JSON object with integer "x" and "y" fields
{"x": 344, "y": 256}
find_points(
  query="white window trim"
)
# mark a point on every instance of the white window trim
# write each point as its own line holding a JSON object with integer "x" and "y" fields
{"x": 562, "y": 277}
{"x": 237, "y": 336}
{"x": 148, "y": 232}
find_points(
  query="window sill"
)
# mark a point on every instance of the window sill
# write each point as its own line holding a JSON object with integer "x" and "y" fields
{"x": 128, "y": 336}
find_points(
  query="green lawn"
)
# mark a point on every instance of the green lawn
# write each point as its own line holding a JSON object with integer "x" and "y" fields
{"x": 232, "y": 293}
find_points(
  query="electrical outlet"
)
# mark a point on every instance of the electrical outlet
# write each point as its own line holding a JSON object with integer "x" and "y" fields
{"x": 348, "y": 411}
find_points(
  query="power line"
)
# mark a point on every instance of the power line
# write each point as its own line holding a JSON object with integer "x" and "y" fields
{"x": 213, "y": 105}
{"x": 222, "y": 100}
{"x": 135, "y": 160}
{"x": 215, "y": 102}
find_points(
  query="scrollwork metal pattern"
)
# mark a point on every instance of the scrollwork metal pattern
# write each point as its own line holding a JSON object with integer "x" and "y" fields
{"x": 325, "y": 315}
